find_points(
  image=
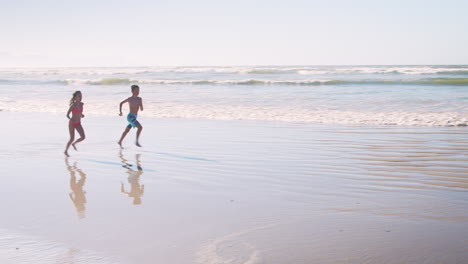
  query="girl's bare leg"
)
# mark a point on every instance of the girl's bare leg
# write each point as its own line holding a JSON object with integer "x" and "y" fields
{"x": 82, "y": 136}
{"x": 71, "y": 129}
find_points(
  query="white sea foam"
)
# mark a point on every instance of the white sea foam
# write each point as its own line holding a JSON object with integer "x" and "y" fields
{"x": 313, "y": 116}
{"x": 248, "y": 112}
{"x": 310, "y": 82}
{"x": 269, "y": 70}
{"x": 124, "y": 81}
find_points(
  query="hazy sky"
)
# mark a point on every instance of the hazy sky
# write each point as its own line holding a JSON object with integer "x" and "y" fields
{"x": 236, "y": 32}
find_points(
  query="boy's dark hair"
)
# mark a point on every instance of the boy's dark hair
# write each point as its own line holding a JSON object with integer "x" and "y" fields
{"x": 135, "y": 87}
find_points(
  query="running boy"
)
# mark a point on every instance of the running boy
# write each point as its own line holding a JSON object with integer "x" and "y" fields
{"x": 135, "y": 103}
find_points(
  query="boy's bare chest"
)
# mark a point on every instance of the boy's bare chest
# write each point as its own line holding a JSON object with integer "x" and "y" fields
{"x": 133, "y": 101}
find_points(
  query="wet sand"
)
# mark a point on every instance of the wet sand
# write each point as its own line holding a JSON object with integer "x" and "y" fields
{"x": 204, "y": 191}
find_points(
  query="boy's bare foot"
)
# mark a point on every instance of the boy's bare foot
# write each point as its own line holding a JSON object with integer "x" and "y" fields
{"x": 120, "y": 144}
{"x": 73, "y": 145}
{"x": 137, "y": 144}
{"x": 66, "y": 153}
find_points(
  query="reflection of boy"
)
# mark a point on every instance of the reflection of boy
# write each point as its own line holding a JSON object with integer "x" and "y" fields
{"x": 135, "y": 103}
{"x": 136, "y": 190}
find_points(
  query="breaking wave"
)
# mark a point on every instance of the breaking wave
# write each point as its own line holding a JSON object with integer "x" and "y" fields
{"x": 305, "y": 82}
{"x": 311, "y": 82}
{"x": 243, "y": 70}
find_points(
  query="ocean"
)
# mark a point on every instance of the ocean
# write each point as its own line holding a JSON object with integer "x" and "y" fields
{"x": 422, "y": 95}
{"x": 311, "y": 164}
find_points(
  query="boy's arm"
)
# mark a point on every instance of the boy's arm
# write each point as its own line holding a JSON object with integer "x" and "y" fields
{"x": 141, "y": 104}
{"x": 120, "y": 106}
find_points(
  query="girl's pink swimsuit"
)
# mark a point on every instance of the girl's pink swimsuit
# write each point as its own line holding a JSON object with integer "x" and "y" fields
{"x": 74, "y": 111}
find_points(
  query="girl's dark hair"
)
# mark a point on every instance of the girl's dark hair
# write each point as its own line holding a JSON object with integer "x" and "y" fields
{"x": 72, "y": 100}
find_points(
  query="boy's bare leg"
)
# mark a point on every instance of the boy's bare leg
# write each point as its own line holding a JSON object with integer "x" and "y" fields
{"x": 140, "y": 128}
{"x": 127, "y": 129}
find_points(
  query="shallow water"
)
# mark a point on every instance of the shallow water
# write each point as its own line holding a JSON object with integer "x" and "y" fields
{"x": 202, "y": 191}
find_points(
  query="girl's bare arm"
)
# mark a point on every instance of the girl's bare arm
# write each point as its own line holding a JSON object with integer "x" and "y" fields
{"x": 69, "y": 110}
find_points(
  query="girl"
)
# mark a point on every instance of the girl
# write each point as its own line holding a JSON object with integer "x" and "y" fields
{"x": 76, "y": 108}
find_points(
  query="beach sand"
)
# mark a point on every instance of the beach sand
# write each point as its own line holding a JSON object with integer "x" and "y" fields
{"x": 206, "y": 191}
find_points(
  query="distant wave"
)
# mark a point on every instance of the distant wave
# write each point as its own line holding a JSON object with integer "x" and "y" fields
{"x": 33, "y": 82}
{"x": 305, "y": 82}
{"x": 317, "y": 70}
{"x": 320, "y": 70}
{"x": 110, "y": 81}
{"x": 428, "y": 81}
{"x": 6, "y": 81}
{"x": 447, "y": 81}
{"x": 312, "y": 82}
{"x": 250, "y": 70}
{"x": 457, "y": 72}
{"x": 226, "y": 70}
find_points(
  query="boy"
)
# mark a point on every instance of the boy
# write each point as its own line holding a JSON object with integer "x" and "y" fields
{"x": 135, "y": 103}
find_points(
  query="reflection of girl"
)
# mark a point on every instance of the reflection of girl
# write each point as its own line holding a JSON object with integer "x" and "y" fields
{"x": 78, "y": 194}
{"x": 76, "y": 108}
